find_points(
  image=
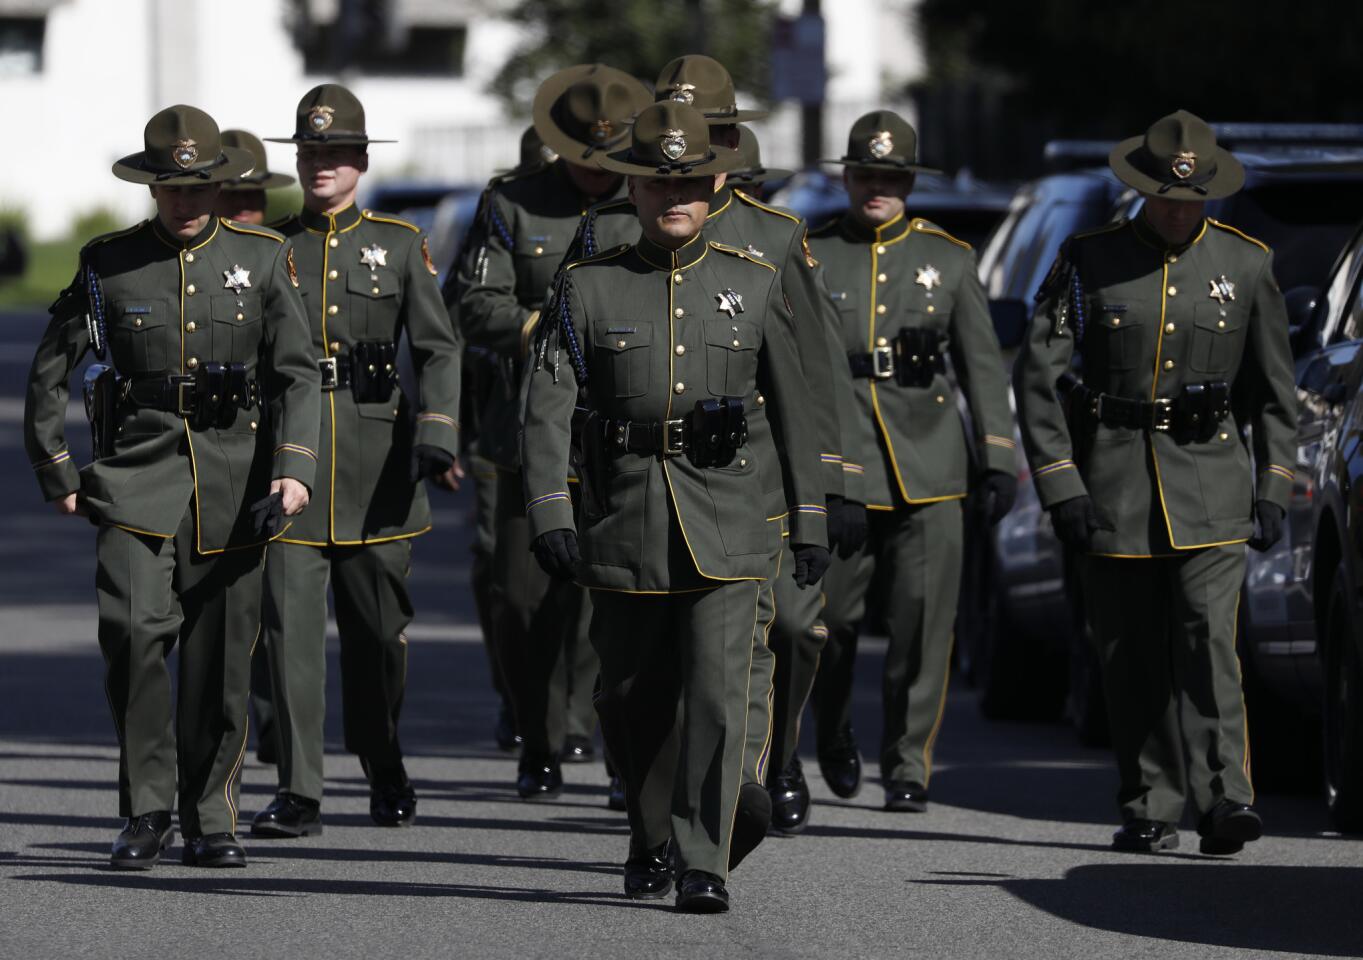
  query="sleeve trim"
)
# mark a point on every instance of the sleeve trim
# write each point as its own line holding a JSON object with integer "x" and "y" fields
{"x": 53, "y": 460}
{"x": 1053, "y": 468}
{"x": 849, "y": 467}
{"x": 438, "y": 418}
{"x": 547, "y": 498}
{"x": 1000, "y": 441}
{"x": 295, "y": 448}
{"x": 830, "y": 458}
{"x": 811, "y": 508}
{"x": 1283, "y": 472}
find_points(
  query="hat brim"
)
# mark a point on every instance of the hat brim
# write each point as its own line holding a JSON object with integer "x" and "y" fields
{"x": 270, "y": 181}
{"x": 881, "y": 165}
{"x": 740, "y": 116}
{"x": 322, "y": 139}
{"x": 721, "y": 162}
{"x": 133, "y": 169}
{"x": 759, "y": 175}
{"x": 553, "y": 136}
{"x": 1228, "y": 179}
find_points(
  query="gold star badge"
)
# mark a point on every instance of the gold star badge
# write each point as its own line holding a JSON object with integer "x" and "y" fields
{"x": 236, "y": 278}
{"x": 373, "y": 256}
{"x": 928, "y": 277}
{"x": 1222, "y": 289}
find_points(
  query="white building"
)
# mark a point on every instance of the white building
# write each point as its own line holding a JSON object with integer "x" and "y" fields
{"x": 79, "y": 78}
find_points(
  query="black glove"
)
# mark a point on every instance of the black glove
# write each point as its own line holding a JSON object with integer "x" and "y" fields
{"x": 811, "y": 562}
{"x": 1075, "y": 520}
{"x": 557, "y": 553}
{"x": 267, "y": 515}
{"x": 846, "y": 526}
{"x": 996, "y": 494}
{"x": 429, "y": 461}
{"x": 1268, "y": 525}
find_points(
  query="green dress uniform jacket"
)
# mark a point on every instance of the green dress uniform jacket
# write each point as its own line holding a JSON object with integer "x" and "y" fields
{"x": 367, "y": 276}
{"x": 171, "y": 306}
{"x": 909, "y": 440}
{"x": 1155, "y": 320}
{"x": 639, "y": 331}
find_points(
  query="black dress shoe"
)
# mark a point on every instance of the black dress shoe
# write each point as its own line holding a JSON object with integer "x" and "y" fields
{"x": 648, "y": 875}
{"x": 288, "y": 815}
{"x": 790, "y": 799}
{"x": 539, "y": 778}
{"x": 701, "y": 892}
{"x": 1227, "y": 827}
{"x": 214, "y": 850}
{"x": 578, "y": 750}
{"x": 751, "y": 820}
{"x": 505, "y": 730}
{"x": 1145, "y": 836}
{"x": 615, "y": 794}
{"x": 140, "y": 844}
{"x": 840, "y": 764}
{"x": 906, "y": 796}
{"x": 392, "y": 800}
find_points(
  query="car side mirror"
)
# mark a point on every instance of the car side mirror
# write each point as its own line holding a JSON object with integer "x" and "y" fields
{"x": 1010, "y": 321}
{"x": 1301, "y": 306}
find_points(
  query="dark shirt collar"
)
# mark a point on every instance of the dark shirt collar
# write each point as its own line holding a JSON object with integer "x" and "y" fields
{"x": 859, "y": 232}
{"x": 720, "y": 202}
{"x": 1146, "y": 234}
{"x": 661, "y": 258}
{"x": 330, "y": 222}
{"x": 170, "y": 240}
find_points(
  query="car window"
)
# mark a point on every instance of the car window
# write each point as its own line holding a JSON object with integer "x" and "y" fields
{"x": 991, "y": 267}
{"x": 1304, "y": 221}
{"x": 1339, "y": 294}
{"x": 1352, "y": 327}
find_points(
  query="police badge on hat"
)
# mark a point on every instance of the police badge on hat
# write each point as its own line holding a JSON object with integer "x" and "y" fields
{"x": 881, "y": 145}
{"x": 683, "y": 93}
{"x": 1185, "y": 162}
{"x": 184, "y": 153}
{"x": 600, "y": 131}
{"x": 673, "y": 143}
{"x": 320, "y": 118}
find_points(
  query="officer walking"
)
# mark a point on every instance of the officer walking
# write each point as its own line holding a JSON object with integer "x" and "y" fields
{"x": 908, "y": 298}
{"x": 366, "y": 279}
{"x": 1140, "y": 458}
{"x": 205, "y": 435}
{"x": 663, "y": 344}
{"x": 529, "y": 220}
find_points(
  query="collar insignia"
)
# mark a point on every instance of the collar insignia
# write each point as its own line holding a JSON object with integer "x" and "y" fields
{"x": 320, "y": 118}
{"x": 184, "y": 153}
{"x": 1222, "y": 289}
{"x": 673, "y": 143}
{"x": 928, "y": 277}
{"x": 373, "y": 256}
{"x": 730, "y": 302}
{"x": 236, "y": 279}
{"x": 683, "y": 93}
{"x": 1185, "y": 162}
{"x": 754, "y": 251}
{"x": 881, "y": 145}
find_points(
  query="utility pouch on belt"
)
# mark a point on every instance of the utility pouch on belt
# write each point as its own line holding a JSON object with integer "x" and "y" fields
{"x": 373, "y": 370}
{"x": 1199, "y": 411}
{"x": 718, "y": 430}
{"x": 918, "y": 356}
{"x": 587, "y": 454}
{"x": 101, "y": 389}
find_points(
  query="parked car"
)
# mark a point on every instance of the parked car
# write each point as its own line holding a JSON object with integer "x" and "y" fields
{"x": 412, "y": 200}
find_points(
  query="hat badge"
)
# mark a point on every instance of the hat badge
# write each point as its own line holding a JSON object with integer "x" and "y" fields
{"x": 320, "y": 118}
{"x": 683, "y": 93}
{"x": 673, "y": 143}
{"x": 600, "y": 131}
{"x": 184, "y": 153}
{"x": 547, "y": 154}
{"x": 1185, "y": 162}
{"x": 881, "y": 145}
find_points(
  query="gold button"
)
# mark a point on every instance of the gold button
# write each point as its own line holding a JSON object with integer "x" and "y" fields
{"x": 761, "y": 399}
{"x": 676, "y": 278}
{"x": 1173, "y": 290}
{"x": 737, "y": 344}
{"x": 681, "y": 349}
{"x": 1116, "y": 321}
{"x": 679, "y": 387}
{"x": 880, "y": 249}
{"x": 332, "y": 274}
{"x": 1225, "y": 436}
{"x": 191, "y": 327}
{"x": 538, "y": 251}
{"x": 932, "y": 308}
{"x": 190, "y": 290}
{"x": 137, "y": 322}
{"x": 241, "y": 317}
{"x": 941, "y": 399}
{"x": 882, "y": 342}
{"x": 1221, "y": 324}
{"x": 395, "y": 411}
{"x": 679, "y": 313}
{"x": 374, "y": 290}
{"x": 880, "y": 308}
{"x": 335, "y": 346}
{"x": 254, "y": 424}
{"x": 881, "y": 278}
{"x": 1168, "y": 364}
{"x": 1169, "y": 328}
{"x": 742, "y": 463}
{"x": 189, "y": 258}
{"x": 333, "y": 310}
{"x": 620, "y": 344}
{"x": 1173, "y": 258}
{"x": 192, "y": 363}
{"x": 333, "y": 242}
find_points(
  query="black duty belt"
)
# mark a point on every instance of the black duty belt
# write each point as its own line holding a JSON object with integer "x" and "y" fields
{"x": 369, "y": 370}
{"x": 661, "y": 438}
{"x": 213, "y": 387}
{"x": 912, "y": 358}
{"x": 1193, "y": 415}
{"x": 709, "y": 436}
{"x": 335, "y": 372}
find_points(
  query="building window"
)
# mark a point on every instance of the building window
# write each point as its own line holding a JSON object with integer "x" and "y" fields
{"x": 21, "y": 46}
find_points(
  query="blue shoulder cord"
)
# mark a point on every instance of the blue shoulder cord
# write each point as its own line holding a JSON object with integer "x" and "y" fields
{"x": 99, "y": 331}
{"x": 1077, "y": 303}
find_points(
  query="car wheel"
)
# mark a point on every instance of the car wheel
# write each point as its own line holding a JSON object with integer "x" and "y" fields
{"x": 1343, "y": 709}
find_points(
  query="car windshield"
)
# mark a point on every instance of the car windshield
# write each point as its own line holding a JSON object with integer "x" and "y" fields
{"x": 1305, "y": 221}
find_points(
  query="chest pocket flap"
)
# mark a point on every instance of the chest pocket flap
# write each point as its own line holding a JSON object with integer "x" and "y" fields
{"x": 733, "y": 335}
{"x": 627, "y": 362}
{"x": 375, "y": 284}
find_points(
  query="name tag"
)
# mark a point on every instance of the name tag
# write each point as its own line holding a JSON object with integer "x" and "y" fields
{"x": 136, "y": 310}
{"x": 622, "y": 330}
{"x": 839, "y": 296}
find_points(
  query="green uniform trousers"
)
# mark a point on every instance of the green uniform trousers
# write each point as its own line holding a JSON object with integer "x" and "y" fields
{"x": 262, "y": 699}
{"x": 541, "y": 634}
{"x": 796, "y": 639}
{"x": 674, "y": 704}
{"x": 369, "y": 588}
{"x": 757, "y": 751}
{"x": 1165, "y": 633}
{"x": 918, "y": 550}
{"x": 486, "y": 597}
{"x": 153, "y": 592}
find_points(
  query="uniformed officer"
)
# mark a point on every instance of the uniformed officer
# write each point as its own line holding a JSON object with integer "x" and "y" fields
{"x": 579, "y": 113}
{"x": 243, "y": 200}
{"x": 908, "y": 299}
{"x": 1140, "y": 457}
{"x": 751, "y": 176}
{"x": 204, "y": 442}
{"x": 366, "y": 278}
{"x": 738, "y": 219}
{"x": 662, "y": 345}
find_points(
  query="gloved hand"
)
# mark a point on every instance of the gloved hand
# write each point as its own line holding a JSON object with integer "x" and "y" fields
{"x": 1075, "y": 520}
{"x": 1268, "y": 525}
{"x": 429, "y": 461}
{"x": 847, "y": 526}
{"x": 996, "y": 494}
{"x": 811, "y": 563}
{"x": 557, "y": 553}
{"x": 267, "y": 515}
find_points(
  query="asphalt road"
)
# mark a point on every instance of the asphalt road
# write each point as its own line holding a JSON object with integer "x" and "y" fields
{"x": 1012, "y": 860}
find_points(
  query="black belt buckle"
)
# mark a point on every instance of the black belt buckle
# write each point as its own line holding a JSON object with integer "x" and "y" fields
{"x": 330, "y": 375}
{"x": 182, "y": 394}
{"x": 1162, "y": 415}
{"x": 882, "y": 363}
{"x": 674, "y": 438}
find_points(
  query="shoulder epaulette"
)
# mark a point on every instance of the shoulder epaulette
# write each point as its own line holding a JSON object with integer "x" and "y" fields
{"x": 753, "y": 202}
{"x": 598, "y": 257}
{"x": 1105, "y": 228}
{"x": 253, "y": 231}
{"x": 736, "y": 252}
{"x": 1239, "y": 233}
{"x": 384, "y": 218}
{"x": 106, "y": 237}
{"x": 923, "y": 226}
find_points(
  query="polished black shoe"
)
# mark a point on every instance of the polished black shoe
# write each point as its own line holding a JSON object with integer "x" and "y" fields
{"x": 840, "y": 764}
{"x": 789, "y": 799}
{"x": 288, "y": 815}
{"x": 578, "y": 750}
{"x": 1227, "y": 827}
{"x": 648, "y": 875}
{"x": 1145, "y": 836}
{"x": 701, "y": 892}
{"x": 539, "y": 778}
{"x": 906, "y": 797}
{"x": 214, "y": 850}
{"x": 615, "y": 794}
{"x": 392, "y": 800}
{"x": 752, "y": 818}
{"x": 505, "y": 730}
{"x": 141, "y": 842}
